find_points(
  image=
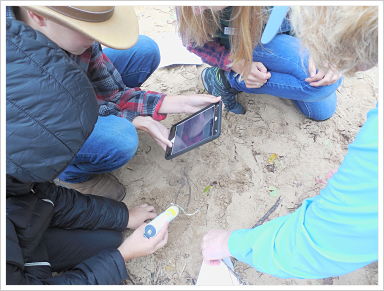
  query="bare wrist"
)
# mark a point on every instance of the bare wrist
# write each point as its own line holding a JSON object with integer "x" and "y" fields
{"x": 237, "y": 67}
{"x": 172, "y": 104}
{"x": 141, "y": 122}
{"x": 126, "y": 255}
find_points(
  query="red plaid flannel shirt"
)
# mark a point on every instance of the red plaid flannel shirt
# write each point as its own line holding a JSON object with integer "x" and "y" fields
{"x": 113, "y": 96}
{"x": 212, "y": 53}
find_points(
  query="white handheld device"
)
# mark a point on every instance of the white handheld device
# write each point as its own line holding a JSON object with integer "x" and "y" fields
{"x": 154, "y": 227}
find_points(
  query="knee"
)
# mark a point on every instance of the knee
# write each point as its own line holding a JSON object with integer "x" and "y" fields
{"x": 149, "y": 51}
{"x": 126, "y": 144}
{"x": 116, "y": 140}
{"x": 314, "y": 94}
{"x": 145, "y": 51}
{"x": 318, "y": 111}
{"x": 321, "y": 115}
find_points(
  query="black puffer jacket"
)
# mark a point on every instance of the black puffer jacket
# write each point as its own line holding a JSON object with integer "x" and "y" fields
{"x": 51, "y": 110}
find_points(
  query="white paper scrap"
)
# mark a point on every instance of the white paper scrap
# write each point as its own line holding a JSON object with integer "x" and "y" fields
{"x": 217, "y": 275}
{"x": 172, "y": 51}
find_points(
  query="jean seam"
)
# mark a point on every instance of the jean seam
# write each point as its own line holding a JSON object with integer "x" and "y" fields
{"x": 303, "y": 86}
{"x": 275, "y": 56}
{"x": 282, "y": 85}
{"x": 133, "y": 73}
{"x": 308, "y": 110}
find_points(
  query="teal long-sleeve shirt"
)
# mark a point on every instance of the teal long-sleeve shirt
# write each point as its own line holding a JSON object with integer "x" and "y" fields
{"x": 331, "y": 234}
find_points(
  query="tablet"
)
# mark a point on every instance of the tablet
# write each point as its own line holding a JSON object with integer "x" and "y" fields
{"x": 195, "y": 130}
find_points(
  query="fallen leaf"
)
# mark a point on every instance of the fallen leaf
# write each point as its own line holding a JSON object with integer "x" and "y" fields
{"x": 272, "y": 158}
{"x": 169, "y": 268}
{"x": 207, "y": 189}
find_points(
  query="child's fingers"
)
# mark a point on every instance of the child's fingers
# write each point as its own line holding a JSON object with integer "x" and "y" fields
{"x": 215, "y": 100}
{"x": 169, "y": 143}
{"x": 311, "y": 68}
{"x": 151, "y": 215}
{"x": 163, "y": 241}
{"x": 162, "y": 237}
{"x": 257, "y": 77}
{"x": 320, "y": 75}
{"x": 147, "y": 207}
{"x": 261, "y": 67}
{"x": 328, "y": 79}
{"x": 150, "y": 208}
{"x": 165, "y": 143}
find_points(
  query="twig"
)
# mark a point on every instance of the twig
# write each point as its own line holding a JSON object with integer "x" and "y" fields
{"x": 269, "y": 212}
{"x": 182, "y": 270}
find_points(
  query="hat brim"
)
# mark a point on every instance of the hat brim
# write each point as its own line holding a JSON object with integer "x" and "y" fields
{"x": 118, "y": 32}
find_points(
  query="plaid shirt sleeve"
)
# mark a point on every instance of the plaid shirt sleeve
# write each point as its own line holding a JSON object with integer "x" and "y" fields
{"x": 212, "y": 53}
{"x": 114, "y": 97}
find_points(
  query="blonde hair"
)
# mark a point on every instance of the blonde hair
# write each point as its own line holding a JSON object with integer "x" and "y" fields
{"x": 344, "y": 38}
{"x": 247, "y": 20}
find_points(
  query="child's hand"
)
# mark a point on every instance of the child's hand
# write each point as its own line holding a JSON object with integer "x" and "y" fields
{"x": 139, "y": 214}
{"x": 155, "y": 129}
{"x": 257, "y": 76}
{"x": 214, "y": 246}
{"x": 136, "y": 245}
{"x": 187, "y": 103}
{"x": 194, "y": 103}
{"x": 319, "y": 78}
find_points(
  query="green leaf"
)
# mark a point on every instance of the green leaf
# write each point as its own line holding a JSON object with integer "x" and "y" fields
{"x": 207, "y": 189}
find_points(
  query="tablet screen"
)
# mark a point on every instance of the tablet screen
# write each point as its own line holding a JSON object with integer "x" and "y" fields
{"x": 194, "y": 130}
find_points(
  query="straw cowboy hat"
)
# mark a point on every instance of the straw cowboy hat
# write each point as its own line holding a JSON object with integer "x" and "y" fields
{"x": 113, "y": 26}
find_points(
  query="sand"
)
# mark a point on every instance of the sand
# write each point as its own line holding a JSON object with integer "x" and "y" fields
{"x": 271, "y": 154}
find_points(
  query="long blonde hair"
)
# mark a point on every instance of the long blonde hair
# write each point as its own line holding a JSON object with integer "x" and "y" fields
{"x": 247, "y": 20}
{"x": 344, "y": 38}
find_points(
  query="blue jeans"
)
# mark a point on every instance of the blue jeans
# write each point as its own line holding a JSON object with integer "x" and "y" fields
{"x": 287, "y": 61}
{"x": 114, "y": 140}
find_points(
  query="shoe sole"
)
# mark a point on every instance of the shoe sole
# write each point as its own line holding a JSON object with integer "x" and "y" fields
{"x": 68, "y": 185}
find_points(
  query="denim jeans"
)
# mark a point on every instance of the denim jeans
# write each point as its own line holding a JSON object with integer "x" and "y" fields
{"x": 287, "y": 62}
{"x": 114, "y": 140}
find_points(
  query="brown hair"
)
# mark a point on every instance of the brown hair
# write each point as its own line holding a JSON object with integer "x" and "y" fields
{"x": 199, "y": 29}
{"x": 344, "y": 38}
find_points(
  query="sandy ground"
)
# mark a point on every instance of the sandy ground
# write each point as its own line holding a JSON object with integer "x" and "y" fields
{"x": 245, "y": 180}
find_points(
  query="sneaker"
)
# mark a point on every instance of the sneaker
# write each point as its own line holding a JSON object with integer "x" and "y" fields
{"x": 215, "y": 83}
{"x": 105, "y": 185}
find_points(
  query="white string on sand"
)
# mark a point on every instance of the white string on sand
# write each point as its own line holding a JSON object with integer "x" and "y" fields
{"x": 182, "y": 209}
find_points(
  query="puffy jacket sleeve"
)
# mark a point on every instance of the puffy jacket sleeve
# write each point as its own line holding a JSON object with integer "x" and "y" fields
{"x": 73, "y": 210}
{"x": 331, "y": 234}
